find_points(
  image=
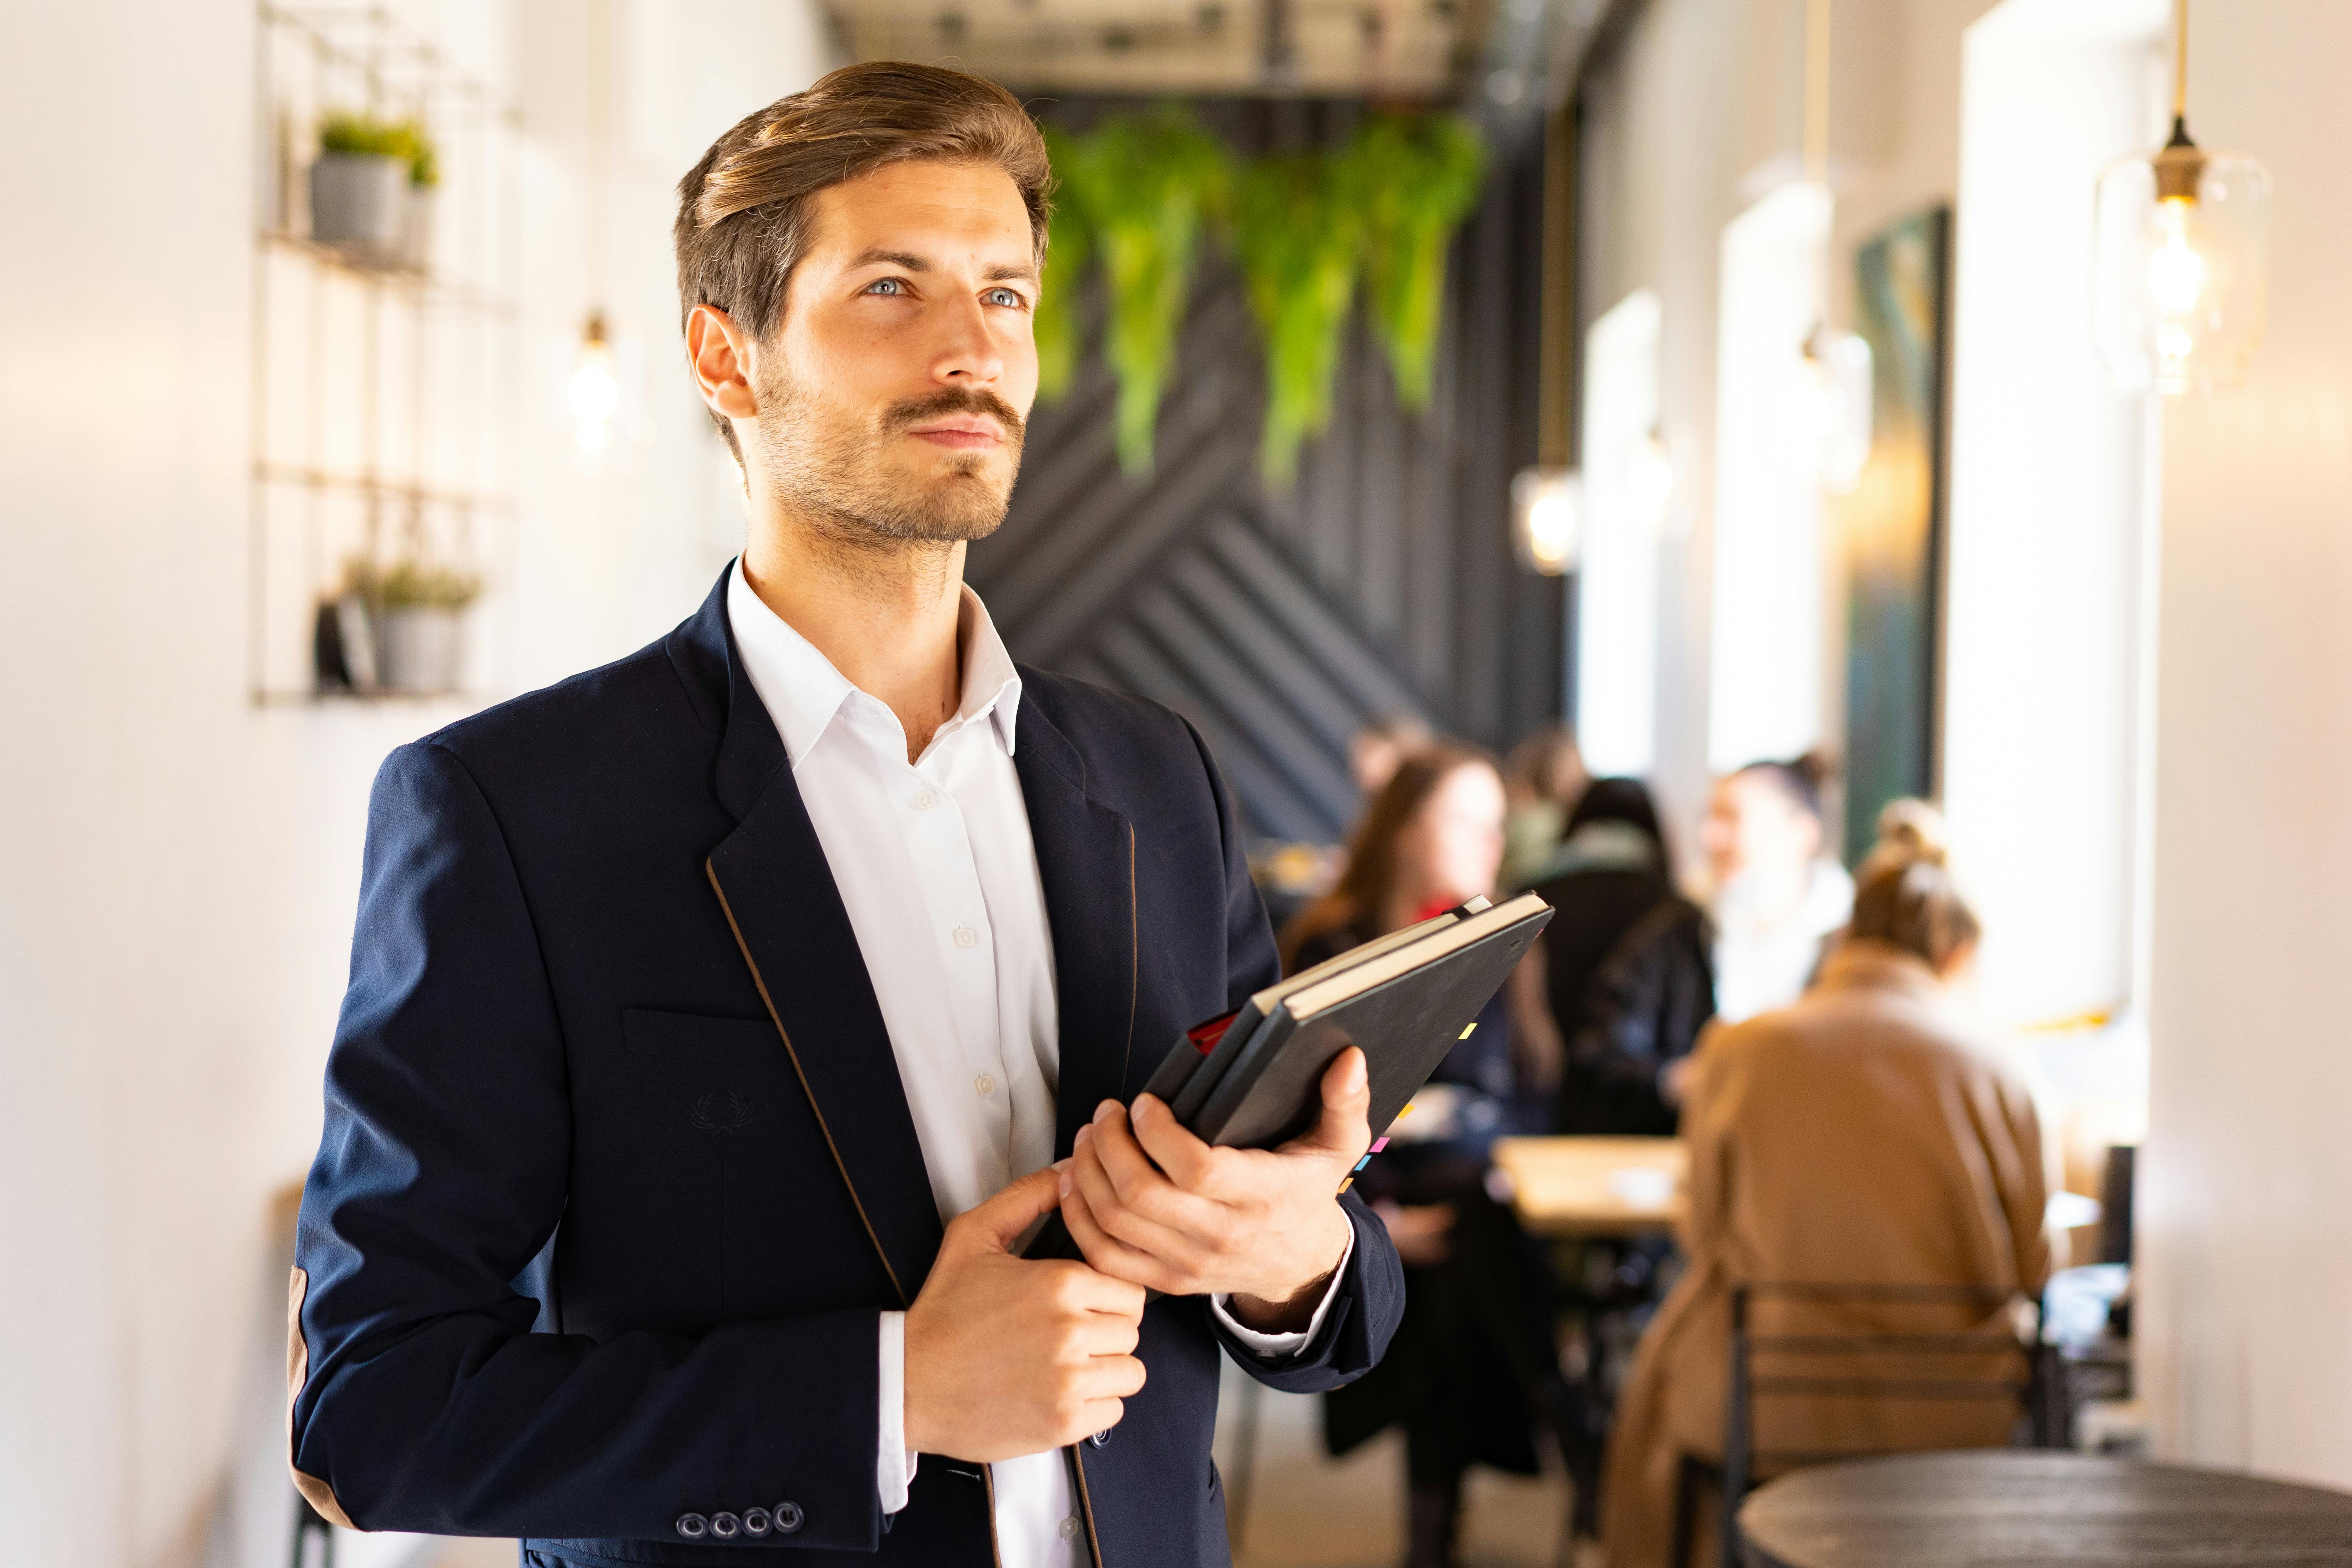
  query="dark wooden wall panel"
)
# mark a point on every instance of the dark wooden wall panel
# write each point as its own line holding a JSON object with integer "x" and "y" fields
{"x": 1383, "y": 582}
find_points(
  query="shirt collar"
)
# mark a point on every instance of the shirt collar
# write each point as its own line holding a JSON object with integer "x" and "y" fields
{"x": 803, "y": 693}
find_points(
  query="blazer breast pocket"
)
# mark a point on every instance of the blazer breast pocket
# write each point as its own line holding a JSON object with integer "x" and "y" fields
{"x": 719, "y": 1162}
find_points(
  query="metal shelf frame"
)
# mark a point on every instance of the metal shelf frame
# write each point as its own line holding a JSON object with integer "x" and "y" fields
{"x": 382, "y": 397}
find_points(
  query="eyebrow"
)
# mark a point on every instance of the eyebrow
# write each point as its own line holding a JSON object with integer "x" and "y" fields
{"x": 877, "y": 257}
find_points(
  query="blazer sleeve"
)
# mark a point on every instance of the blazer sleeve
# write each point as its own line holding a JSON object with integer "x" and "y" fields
{"x": 1371, "y": 1300}
{"x": 419, "y": 1397}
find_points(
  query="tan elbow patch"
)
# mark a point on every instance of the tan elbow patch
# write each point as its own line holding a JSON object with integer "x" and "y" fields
{"x": 318, "y": 1493}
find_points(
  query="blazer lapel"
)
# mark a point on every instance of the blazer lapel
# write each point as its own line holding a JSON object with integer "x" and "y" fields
{"x": 772, "y": 878}
{"x": 1085, "y": 860}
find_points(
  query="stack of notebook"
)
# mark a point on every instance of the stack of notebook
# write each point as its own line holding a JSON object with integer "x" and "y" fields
{"x": 1254, "y": 1079}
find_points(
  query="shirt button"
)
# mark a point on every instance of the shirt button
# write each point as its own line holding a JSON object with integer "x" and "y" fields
{"x": 1070, "y": 1529}
{"x": 925, "y": 800}
{"x": 985, "y": 1084}
{"x": 966, "y": 937}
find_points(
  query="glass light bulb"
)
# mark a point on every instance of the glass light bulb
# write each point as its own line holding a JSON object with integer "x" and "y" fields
{"x": 2180, "y": 268}
{"x": 1546, "y": 507}
{"x": 594, "y": 392}
{"x": 2175, "y": 272}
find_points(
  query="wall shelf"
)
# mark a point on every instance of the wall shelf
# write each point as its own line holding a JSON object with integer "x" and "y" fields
{"x": 382, "y": 395}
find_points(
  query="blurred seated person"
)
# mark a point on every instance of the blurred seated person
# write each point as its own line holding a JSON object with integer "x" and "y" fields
{"x": 1542, "y": 779}
{"x": 1612, "y": 997}
{"x": 1467, "y": 1371}
{"x": 1864, "y": 1136}
{"x": 1379, "y": 745}
{"x": 1776, "y": 899}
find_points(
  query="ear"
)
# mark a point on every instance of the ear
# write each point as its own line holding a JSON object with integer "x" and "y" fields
{"x": 720, "y": 353}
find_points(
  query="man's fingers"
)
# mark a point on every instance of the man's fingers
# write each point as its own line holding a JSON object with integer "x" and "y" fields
{"x": 1109, "y": 1214}
{"x": 1141, "y": 1187}
{"x": 1111, "y": 1256}
{"x": 999, "y": 1222}
{"x": 1347, "y": 1104}
{"x": 1085, "y": 1289}
{"x": 1172, "y": 1147}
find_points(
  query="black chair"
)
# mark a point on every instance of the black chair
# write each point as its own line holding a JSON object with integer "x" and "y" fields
{"x": 2038, "y": 1389}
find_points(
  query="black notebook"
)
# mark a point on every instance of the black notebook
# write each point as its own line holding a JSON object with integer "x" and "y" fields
{"x": 1254, "y": 1080}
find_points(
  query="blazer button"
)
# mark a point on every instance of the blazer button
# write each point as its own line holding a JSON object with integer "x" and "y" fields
{"x": 726, "y": 1526}
{"x": 757, "y": 1522}
{"x": 1101, "y": 1439}
{"x": 693, "y": 1526}
{"x": 788, "y": 1517}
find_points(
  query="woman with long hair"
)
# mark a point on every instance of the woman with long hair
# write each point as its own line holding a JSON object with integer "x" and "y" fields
{"x": 1465, "y": 1373}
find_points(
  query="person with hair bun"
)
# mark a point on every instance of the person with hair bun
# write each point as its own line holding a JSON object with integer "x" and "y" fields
{"x": 1864, "y": 1136}
{"x": 1777, "y": 897}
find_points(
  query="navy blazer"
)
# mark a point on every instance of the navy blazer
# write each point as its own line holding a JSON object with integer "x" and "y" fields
{"x": 617, "y": 1171}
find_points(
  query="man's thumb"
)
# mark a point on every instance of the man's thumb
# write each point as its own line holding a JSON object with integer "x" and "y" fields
{"x": 1000, "y": 1221}
{"x": 1347, "y": 1101}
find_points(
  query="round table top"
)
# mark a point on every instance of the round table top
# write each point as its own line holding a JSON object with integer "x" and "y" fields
{"x": 2027, "y": 1509}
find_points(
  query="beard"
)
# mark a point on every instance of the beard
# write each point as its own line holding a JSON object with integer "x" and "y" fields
{"x": 838, "y": 470}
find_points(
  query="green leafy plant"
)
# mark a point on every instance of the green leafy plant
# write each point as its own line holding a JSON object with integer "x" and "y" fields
{"x": 1069, "y": 252}
{"x": 1421, "y": 175}
{"x": 1147, "y": 188}
{"x": 411, "y": 585}
{"x": 353, "y": 135}
{"x": 1298, "y": 234}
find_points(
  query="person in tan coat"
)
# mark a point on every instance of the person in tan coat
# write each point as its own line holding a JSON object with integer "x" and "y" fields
{"x": 1863, "y": 1135}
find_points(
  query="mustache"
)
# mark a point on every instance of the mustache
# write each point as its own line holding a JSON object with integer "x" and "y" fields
{"x": 956, "y": 400}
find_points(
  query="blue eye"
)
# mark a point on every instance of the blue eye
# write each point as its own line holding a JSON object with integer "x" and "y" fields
{"x": 1007, "y": 297}
{"x": 893, "y": 285}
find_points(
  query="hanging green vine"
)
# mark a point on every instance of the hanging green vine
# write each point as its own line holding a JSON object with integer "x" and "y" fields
{"x": 1422, "y": 175}
{"x": 1069, "y": 252}
{"x": 1298, "y": 235}
{"x": 1147, "y": 187}
{"x": 1135, "y": 196}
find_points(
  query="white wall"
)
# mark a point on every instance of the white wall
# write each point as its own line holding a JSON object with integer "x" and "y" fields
{"x": 1698, "y": 116}
{"x": 2246, "y": 1253}
{"x": 177, "y": 869}
{"x": 2049, "y": 575}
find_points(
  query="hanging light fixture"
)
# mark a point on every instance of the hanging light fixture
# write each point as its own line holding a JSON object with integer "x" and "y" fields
{"x": 594, "y": 392}
{"x": 1547, "y": 519}
{"x": 1835, "y": 388}
{"x": 1649, "y": 479}
{"x": 2182, "y": 258}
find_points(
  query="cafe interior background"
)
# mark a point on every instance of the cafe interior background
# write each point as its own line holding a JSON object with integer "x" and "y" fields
{"x": 281, "y": 492}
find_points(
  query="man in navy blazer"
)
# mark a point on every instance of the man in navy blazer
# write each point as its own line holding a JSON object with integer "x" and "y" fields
{"x": 634, "y": 1229}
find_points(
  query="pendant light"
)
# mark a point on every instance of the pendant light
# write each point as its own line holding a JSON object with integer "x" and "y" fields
{"x": 1547, "y": 519}
{"x": 2182, "y": 256}
{"x": 1835, "y": 387}
{"x": 594, "y": 392}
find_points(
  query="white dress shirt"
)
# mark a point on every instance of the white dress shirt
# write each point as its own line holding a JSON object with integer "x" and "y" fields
{"x": 936, "y": 867}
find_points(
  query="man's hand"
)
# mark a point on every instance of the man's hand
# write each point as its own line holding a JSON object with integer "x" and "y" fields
{"x": 1149, "y": 1203}
{"x": 1006, "y": 1357}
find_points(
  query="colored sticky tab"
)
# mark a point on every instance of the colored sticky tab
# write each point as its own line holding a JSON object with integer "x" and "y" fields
{"x": 1362, "y": 1162}
{"x": 1379, "y": 1144}
{"x": 1346, "y": 1185}
{"x": 1402, "y": 1114}
{"x": 1466, "y": 1028}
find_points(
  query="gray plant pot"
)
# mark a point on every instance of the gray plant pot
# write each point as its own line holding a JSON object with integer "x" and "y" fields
{"x": 421, "y": 648}
{"x": 359, "y": 203}
{"x": 416, "y": 229}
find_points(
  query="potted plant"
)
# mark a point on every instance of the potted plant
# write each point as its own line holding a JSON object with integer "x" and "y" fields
{"x": 362, "y": 186}
{"x": 424, "y": 177}
{"x": 418, "y": 611}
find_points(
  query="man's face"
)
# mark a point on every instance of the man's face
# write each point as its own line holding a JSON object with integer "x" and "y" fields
{"x": 893, "y": 396}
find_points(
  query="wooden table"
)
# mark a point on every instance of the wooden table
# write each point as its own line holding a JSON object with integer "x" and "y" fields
{"x": 1594, "y": 1186}
{"x": 2022, "y": 1508}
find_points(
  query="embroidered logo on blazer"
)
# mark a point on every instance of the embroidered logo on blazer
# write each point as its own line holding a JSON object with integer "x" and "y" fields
{"x": 720, "y": 1118}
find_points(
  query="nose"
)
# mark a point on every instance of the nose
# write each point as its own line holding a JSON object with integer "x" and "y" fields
{"x": 969, "y": 355}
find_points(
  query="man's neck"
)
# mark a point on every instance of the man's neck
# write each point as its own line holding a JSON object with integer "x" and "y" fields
{"x": 885, "y": 614}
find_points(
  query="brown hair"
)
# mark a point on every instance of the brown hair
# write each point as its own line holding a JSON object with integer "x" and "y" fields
{"x": 1364, "y": 888}
{"x": 1905, "y": 895}
{"x": 744, "y": 211}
